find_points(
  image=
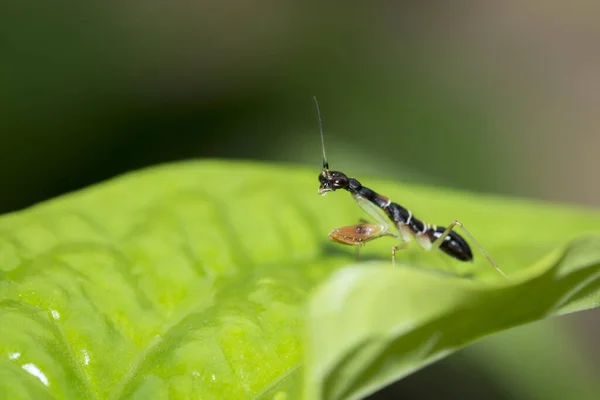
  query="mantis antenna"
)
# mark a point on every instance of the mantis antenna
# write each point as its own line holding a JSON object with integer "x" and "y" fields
{"x": 325, "y": 163}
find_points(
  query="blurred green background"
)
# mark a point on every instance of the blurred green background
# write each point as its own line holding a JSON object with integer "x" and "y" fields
{"x": 492, "y": 97}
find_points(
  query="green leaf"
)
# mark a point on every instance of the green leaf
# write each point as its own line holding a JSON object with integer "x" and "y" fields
{"x": 192, "y": 280}
{"x": 544, "y": 360}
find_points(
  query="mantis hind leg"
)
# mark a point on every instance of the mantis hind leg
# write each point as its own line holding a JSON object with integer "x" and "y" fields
{"x": 444, "y": 236}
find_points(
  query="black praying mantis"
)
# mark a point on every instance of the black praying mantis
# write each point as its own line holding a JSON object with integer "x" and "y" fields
{"x": 383, "y": 211}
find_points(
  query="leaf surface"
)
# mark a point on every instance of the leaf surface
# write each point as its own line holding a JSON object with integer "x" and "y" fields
{"x": 193, "y": 279}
